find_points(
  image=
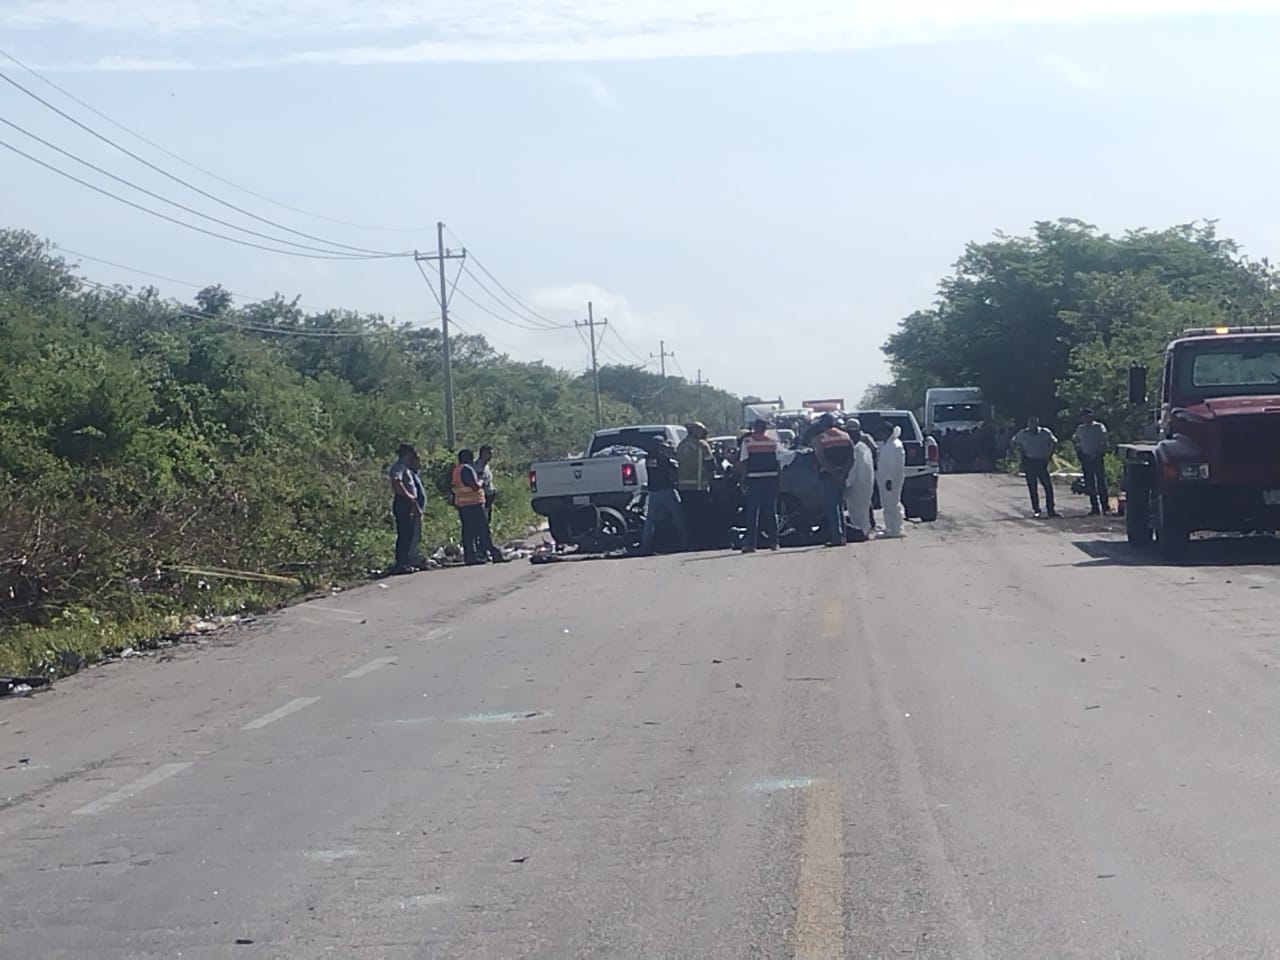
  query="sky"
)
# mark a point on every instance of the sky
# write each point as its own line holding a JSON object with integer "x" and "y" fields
{"x": 764, "y": 187}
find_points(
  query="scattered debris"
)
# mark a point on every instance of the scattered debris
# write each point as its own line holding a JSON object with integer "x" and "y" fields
{"x": 1094, "y": 706}
{"x": 1106, "y": 876}
{"x": 22, "y": 686}
{"x": 1084, "y": 660}
{"x": 717, "y": 661}
{"x": 737, "y": 686}
{"x": 243, "y": 941}
{"x": 519, "y": 859}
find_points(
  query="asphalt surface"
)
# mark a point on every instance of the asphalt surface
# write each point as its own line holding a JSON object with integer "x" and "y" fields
{"x": 997, "y": 737}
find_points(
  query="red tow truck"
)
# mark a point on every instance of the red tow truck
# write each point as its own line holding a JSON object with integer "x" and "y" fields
{"x": 1215, "y": 465}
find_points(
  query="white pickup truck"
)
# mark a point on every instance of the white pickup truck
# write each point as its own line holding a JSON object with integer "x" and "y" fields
{"x": 594, "y": 501}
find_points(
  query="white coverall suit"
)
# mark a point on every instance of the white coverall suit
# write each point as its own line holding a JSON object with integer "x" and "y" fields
{"x": 859, "y": 487}
{"x": 893, "y": 468}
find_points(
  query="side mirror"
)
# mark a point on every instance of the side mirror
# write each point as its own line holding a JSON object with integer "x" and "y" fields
{"x": 1137, "y": 385}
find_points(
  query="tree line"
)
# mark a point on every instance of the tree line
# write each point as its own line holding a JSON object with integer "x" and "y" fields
{"x": 1049, "y": 322}
{"x": 160, "y": 457}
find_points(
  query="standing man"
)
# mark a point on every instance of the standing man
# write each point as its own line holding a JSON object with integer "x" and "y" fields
{"x": 891, "y": 474}
{"x": 697, "y": 468}
{"x": 468, "y": 498}
{"x": 1091, "y": 442}
{"x": 662, "y": 502}
{"x": 760, "y": 462}
{"x": 1036, "y": 444}
{"x": 485, "y": 474}
{"x": 405, "y": 506}
{"x": 860, "y": 484}
{"x": 834, "y": 451}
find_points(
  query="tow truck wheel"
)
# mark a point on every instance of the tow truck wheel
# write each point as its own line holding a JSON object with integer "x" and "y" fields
{"x": 1137, "y": 509}
{"x": 1172, "y": 535}
{"x": 929, "y": 512}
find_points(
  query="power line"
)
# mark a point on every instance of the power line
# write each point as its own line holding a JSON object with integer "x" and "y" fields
{"x": 630, "y": 349}
{"x": 181, "y": 223}
{"x": 191, "y": 186}
{"x": 535, "y": 319}
{"x": 208, "y": 173}
{"x": 163, "y": 199}
{"x": 515, "y": 297}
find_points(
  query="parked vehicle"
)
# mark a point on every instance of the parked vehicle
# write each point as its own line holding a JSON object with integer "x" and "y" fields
{"x": 920, "y": 488}
{"x": 1216, "y": 464}
{"x": 595, "y": 502}
{"x": 954, "y": 409}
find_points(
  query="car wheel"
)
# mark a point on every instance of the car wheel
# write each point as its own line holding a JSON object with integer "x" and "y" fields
{"x": 929, "y": 512}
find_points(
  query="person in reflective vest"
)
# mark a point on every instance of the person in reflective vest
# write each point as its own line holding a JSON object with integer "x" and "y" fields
{"x": 760, "y": 463}
{"x": 834, "y": 450}
{"x": 468, "y": 498}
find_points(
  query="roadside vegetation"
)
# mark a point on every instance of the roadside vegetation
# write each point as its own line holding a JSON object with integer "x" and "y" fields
{"x": 161, "y": 461}
{"x": 1049, "y": 323}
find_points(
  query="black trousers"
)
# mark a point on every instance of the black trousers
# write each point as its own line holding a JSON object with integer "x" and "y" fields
{"x": 1095, "y": 481}
{"x": 405, "y": 520}
{"x": 1037, "y": 473}
{"x": 477, "y": 543}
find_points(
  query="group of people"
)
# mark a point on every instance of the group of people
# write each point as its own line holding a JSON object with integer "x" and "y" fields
{"x": 1037, "y": 444}
{"x": 473, "y": 494}
{"x": 684, "y": 497}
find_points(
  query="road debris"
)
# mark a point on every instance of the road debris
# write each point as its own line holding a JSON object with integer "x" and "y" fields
{"x": 520, "y": 859}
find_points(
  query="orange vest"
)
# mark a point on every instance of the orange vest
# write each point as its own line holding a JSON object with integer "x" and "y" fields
{"x": 762, "y": 456}
{"x": 464, "y": 496}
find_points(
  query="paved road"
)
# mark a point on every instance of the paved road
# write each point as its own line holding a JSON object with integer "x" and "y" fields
{"x": 997, "y": 738}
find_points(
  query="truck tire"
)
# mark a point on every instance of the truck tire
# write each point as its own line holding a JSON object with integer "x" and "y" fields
{"x": 1137, "y": 510}
{"x": 929, "y": 512}
{"x": 1172, "y": 535}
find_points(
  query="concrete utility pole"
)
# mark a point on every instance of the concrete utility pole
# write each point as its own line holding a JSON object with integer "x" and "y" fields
{"x": 700, "y": 384}
{"x": 661, "y": 357}
{"x": 440, "y": 256}
{"x": 591, "y": 323}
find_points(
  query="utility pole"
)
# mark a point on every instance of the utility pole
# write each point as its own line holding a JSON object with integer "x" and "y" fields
{"x": 661, "y": 357}
{"x": 700, "y": 384}
{"x": 440, "y": 256}
{"x": 591, "y": 323}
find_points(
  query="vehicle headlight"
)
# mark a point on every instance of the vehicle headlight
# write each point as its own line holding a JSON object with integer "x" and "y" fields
{"x": 1193, "y": 471}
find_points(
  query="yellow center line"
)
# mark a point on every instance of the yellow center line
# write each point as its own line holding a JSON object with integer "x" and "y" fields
{"x": 819, "y": 923}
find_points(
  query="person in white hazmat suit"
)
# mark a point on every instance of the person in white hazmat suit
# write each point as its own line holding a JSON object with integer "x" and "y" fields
{"x": 860, "y": 484}
{"x": 892, "y": 472}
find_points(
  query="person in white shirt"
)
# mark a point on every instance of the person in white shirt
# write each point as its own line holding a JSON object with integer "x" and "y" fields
{"x": 892, "y": 473}
{"x": 860, "y": 484}
{"x": 1091, "y": 443}
{"x": 1036, "y": 444}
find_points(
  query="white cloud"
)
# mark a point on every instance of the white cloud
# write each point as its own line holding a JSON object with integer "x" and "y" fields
{"x": 401, "y": 31}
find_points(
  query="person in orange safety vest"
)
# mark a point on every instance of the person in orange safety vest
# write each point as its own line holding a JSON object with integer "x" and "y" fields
{"x": 468, "y": 498}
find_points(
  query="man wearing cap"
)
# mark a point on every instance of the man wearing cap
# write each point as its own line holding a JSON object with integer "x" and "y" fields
{"x": 1091, "y": 443}
{"x": 760, "y": 462}
{"x": 834, "y": 451}
{"x": 405, "y": 489}
{"x": 662, "y": 496}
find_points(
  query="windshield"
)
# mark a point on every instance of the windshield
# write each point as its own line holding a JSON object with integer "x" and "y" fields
{"x": 873, "y": 423}
{"x": 1229, "y": 369}
{"x": 952, "y": 412}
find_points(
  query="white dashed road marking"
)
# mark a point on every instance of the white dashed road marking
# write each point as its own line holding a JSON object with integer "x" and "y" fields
{"x": 293, "y": 706}
{"x": 369, "y": 667}
{"x": 157, "y": 775}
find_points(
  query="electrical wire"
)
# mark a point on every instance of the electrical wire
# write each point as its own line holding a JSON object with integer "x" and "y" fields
{"x": 181, "y": 223}
{"x": 516, "y": 298}
{"x": 534, "y": 319}
{"x": 199, "y": 169}
{"x": 644, "y": 361}
{"x": 163, "y": 199}
{"x": 191, "y": 186}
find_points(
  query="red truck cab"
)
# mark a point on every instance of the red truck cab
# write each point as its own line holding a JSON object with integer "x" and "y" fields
{"x": 1216, "y": 463}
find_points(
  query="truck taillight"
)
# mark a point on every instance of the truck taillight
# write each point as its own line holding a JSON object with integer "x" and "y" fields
{"x": 931, "y": 450}
{"x": 629, "y": 475}
{"x": 533, "y": 481}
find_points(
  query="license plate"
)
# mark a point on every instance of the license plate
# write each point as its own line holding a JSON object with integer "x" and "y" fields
{"x": 581, "y": 501}
{"x": 1271, "y": 498}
